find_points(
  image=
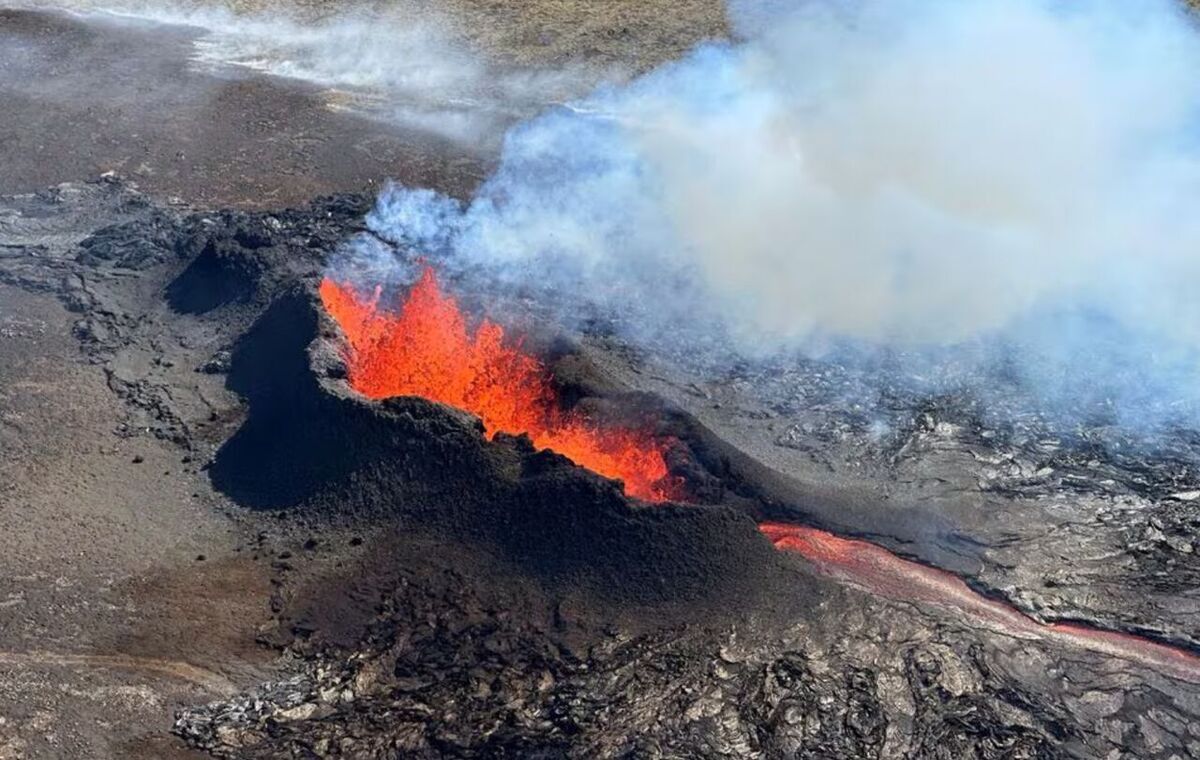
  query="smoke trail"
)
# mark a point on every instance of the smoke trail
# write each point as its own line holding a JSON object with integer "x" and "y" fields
{"x": 1002, "y": 179}
{"x": 402, "y": 63}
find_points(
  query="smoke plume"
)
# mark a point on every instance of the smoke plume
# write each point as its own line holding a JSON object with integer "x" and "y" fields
{"x": 966, "y": 182}
{"x": 403, "y": 62}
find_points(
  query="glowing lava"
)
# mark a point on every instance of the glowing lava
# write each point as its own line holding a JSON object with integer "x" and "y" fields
{"x": 882, "y": 573}
{"x": 425, "y": 348}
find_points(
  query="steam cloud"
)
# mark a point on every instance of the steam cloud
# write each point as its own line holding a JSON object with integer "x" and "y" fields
{"x": 401, "y": 63}
{"x": 1006, "y": 179}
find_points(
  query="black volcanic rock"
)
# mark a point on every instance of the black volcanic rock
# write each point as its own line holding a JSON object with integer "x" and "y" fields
{"x": 483, "y": 599}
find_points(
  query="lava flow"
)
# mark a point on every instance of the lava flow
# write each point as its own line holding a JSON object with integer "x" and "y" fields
{"x": 425, "y": 348}
{"x": 882, "y": 573}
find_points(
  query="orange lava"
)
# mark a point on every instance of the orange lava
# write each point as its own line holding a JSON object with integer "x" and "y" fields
{"x": 426, "y": 348}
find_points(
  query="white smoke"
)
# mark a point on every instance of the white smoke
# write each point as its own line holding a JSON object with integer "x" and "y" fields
{"x": 402, "y": 62}
{"x": 915, "y": 173}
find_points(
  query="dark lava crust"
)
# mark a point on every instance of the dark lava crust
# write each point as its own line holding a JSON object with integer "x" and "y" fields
{"x": 440, "y": 595}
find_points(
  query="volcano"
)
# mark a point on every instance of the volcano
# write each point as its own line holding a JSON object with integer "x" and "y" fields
{"x": 427, "y": 553}
{"x": 425, "y": 350}
{"x": 298, "y": 467}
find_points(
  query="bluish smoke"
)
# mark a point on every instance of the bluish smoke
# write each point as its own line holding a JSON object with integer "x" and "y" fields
{"x": 968, "y": 185}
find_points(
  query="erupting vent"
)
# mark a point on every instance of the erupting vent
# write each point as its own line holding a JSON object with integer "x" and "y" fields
{"x": 425, "y": 348}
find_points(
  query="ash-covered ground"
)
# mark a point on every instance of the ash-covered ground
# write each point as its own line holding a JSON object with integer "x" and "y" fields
{"x": 433, "y": 595}
{"x": 216, "y": 548}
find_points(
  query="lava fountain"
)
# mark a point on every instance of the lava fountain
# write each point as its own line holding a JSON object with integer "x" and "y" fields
{"x": 425, "y": 347}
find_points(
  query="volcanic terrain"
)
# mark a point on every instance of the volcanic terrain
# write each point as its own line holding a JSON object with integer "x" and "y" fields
{"x": 252, "y": 509}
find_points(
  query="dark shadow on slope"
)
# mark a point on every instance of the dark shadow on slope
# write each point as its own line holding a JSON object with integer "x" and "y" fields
{"x": 304, "y": 445}
{"x": 228, "y": 264}
{"x": 278, "y": 456}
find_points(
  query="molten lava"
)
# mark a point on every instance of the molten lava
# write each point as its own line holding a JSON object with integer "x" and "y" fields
{"x": 425, "y": 348}
{"x": 882, "y": 573}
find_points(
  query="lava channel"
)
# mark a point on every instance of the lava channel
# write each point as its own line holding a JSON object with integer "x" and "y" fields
{"x": 878, "y": 571}
{"x": 424, "y": 347}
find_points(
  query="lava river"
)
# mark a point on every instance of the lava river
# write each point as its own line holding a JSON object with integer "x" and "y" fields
{"x": 879, "y": 572}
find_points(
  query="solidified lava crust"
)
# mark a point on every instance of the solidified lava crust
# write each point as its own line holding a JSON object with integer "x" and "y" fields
{"x": 498, "y": 601}
{"x": 883, "y": 573}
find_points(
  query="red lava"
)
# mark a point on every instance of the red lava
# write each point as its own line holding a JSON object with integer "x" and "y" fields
{"x": 423, "y": 346}
{"x": 880, "y": 572}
